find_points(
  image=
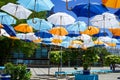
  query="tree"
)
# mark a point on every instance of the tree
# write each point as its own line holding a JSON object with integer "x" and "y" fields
{"x": 9, "y": 46}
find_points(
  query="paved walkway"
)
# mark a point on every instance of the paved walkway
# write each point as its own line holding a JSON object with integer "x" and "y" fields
{"x": 42, "y": 73}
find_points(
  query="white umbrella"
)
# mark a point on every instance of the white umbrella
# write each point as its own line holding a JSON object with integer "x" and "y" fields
{"x": 61, "y": 18}
{"x": 16, "y": 10}
{"x": 106, "y": 20}
{"x": 4, "y": 33}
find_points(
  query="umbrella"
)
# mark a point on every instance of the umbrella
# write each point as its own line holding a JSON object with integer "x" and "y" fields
{"x": 61, "y": 18}
{"x": 40, "y": 24}
{"x": 43, "y": 34}
{"x": 111, "y": 3}
{"x": 9, "y": 29}
{"x": 4, "y": 33}
{"x": 60, "y": 31}
{"x": 91, "y": 31}
{"x": 1, "y": 26}
{"x": 115, "y": 31}
{"x": 6, "y": 19}
{"x": 88, "y": 10}
{"x": 23, "y": 28}
{"x": 117, "y": 13}
{"x": 37, "y": 5}
{"x": 106, "y": 20}
{"x": 16, "y": 10}
{"x": 77, "y": 26}
{"x": 73, "y": 34}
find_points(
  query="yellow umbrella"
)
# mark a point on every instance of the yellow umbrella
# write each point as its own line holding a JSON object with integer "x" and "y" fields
{"x": 56, "y": 41}
{"x": 98, "y": 42}
{"x": 111, "y": 3}
{"x": 111, "y": 44}
{"x": 1, "y": 26}
{"x": 37, "y": 40}
{"x": 115, "y": 31}
{"x": 76, "y": 42}
{"x": 23, "y": 28}
{"x": 13, "y": 37}
{"x": 91, "y": 31}
{"x": 60, "y": 31}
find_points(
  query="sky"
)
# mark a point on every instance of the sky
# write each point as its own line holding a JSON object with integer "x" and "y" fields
{"x": 60, "y": 6}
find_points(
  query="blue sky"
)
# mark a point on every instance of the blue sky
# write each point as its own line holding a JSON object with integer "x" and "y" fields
{"x": 60, "y": 6}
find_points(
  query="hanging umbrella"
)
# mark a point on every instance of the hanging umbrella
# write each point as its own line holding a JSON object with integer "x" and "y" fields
{"x": 73, "y": 34}
{"x": 115, "y": 31}
{"x": 106, "y": 20}
{"x": 117, "y": 13}
{"x": 16, "y": 10}
{"x": 23, "y": 28}
{"x": 40, "y": 24}
{"x": 111, "y": 3}
{"x": 88, "y": 10}
{"x": 6, "y": 19}
{"x": 4, "y": 33}
{"x": 1, "y": 26}
{"x": 9, "y": 29}
{"x": 60, "y": 31}
{"x": 43, "y": 34}
{"x": 77, "y": 26}
{"x": 91, "y": 31}
{"x": 61, "y": 18}
{"x": 37, "y": 5}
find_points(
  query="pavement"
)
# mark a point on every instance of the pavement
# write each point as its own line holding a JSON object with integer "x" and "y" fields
{"x": 49, "y": 73}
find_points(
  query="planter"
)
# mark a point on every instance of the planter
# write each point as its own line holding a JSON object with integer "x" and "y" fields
{"x": 86, "y": 72}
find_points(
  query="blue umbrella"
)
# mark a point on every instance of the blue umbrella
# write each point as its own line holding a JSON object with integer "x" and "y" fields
{"x": 73, "y": 34}
{"x": 6, "y": 19}
{"x": 77, "y": 26}
{"x": 43, "y": 34}
{"x": 39, "y": 24}
{"x": 89, "y": 10}
{"x": 9, "y": 29}
{"x": 117, "y": 13}
{"x": 37, "y": 5}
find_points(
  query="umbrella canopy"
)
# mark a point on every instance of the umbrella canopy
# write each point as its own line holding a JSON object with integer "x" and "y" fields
{"x": 77, "y": 26}
{"x": 106, "y": 20}
{"x": 117, "y": 13}
{"x": 111, "y": 3}
{"x": 4, "y": 33}
{"x": 43, "y": 34}
{"x": 9, "y": 29}
{"x": 61, "y": 18}
{"x": 16, "y": 10}
{"x": 23, "y": 28}
{"x": 37, "y": 5}
{"x": 115, "y": 31}
{"x": 1, "y": 26}
{"x": 89, "y": 10}
{"x": 6, "y": 19}
{"x": 91, "y": 31}
{"x": 60, "y": 31}
{"x": 40, "y": 24}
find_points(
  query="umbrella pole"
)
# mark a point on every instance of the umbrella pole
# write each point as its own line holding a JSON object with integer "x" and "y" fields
{"x": 61, "y": 59}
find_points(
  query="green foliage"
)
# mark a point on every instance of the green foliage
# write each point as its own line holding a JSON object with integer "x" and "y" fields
{"x": 17, "y": 72}
{"x": 112, "y": 59}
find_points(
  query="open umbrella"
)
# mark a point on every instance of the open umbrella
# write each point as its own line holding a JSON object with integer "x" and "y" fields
{"x": 9, "y": 29}
{"x": 16, "y": 10}
{"x": 106, "y": 20}
{"x": 37, "y": 5}
{"x": 60, "y": 31}
{"x": 77, "y": 26}
{"x": 43, "y": 34}
{"x": 88, "y": 10}
{"x": 6, "y": 19}
{"x": 25, "y": 28}
{"x": 4, "y": 33}
{"x": 111, "y": 3}
{"x": 117, "y": 13}
{"x": 40, "y": 24}
{"x": 91, "y": 31}
{"x": 61, "y": 18}
{"x": 115, "y": 31}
